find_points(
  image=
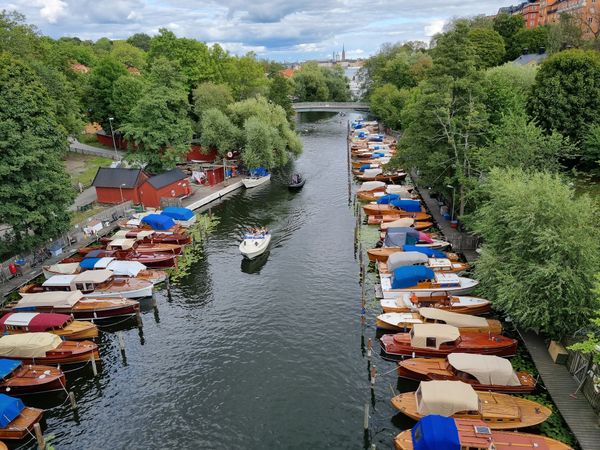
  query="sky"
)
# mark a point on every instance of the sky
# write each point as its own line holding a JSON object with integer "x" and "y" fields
{"x": 281, "y": 30}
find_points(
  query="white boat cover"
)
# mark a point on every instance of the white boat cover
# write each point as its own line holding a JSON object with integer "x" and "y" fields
{"x": 20, "y": 319}
{"x": 28, "y": 345}
{"x": 124, "y": 244}
{"x": 447, "y": 279}
{"x": 400, "y": 259}
{"x": 440, "y": 332}
{"x": 446, "y": 398}
{"x": 93, "y": 276}
{"x": 404, "y": 222}
{"x": 56, "y": 299}
{"x": 453, "y": 318}
{"x": 370, "y": 185}
{"x": 59, "y": 281}
{"x": 402, "y": 191}
{"x": 64, "y": 268}
{"x": 369, "y": 173}
{"x": 488, "y": 369}
{"x": 103, "y": 263}
{"x": 121, "y": 234}
{"x": 126, "y": 268}
{"x": 440, "y": 263}
{"x": 144, "y": 234}
{"x": 134, "y": 222}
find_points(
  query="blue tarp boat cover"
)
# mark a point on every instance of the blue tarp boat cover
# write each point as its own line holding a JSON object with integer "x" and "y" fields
{"x": 259, "y": 172}
{"x": 386, "y": 199}
{"x": 435, "y": 433}
{"x": 10, "y": 408}
{"x": 408, "y": 276}
{"x": 89, "y": 263}
{"x": 376, "y": 147}
{"x": 408, "y": 205}
{"x": 178, "y": 213}
{"x": 357, "y": 126}
{"x": 406, "y": 230}
{"x": 425, "y": 250}
{"x": 158, "y": 221}
{"x": 361, "y": 134}
{"x": 364, "y": 166}
{"x": 378, "y": 155}
{"x": 7, "y": 366}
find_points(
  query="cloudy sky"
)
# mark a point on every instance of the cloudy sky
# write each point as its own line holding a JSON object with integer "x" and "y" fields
{"x": 283, "y": 30}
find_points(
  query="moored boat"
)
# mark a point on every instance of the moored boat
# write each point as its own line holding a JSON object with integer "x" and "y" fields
{"x": 256, "y": 178}
{"x": 438, "y": 340}
{"x": 435, "y": 432}
{"x": 130, "y": 269}
{"x": 483, "y": 372}
{"x": 16, "y": 420}
{"x": 405, "y": 207}
{"x": 466, "y": 323}
{"x": 62, "y": 325}
{"x": 423, "y": 279}
{"x": 46, "y": 348}
{"x": 296, "y": 182}
{"x": 255, "y": 243}
{"x": 401, "y": 259}
{"x": 184, "y": 217}
{"x": 19, "y": 379}
{"x": 383, "y": 253}
{"x": 152, "y": 260}
{"x": 459, "y": 400}
{"x": 411, "y": 301}
{"x": 149, "y": 236}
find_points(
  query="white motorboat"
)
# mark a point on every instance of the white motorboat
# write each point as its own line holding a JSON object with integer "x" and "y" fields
{"x": 251, "y": 182}
{"x": 439, "y": 282}
{"x": 411, "y": 302}
{"x": 255, "y": 243}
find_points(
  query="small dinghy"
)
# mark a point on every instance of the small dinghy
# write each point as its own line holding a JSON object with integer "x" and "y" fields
{"x": 255, "y": 243}
{"x": 256, "y": 178}
{"x": 296, "y": 182}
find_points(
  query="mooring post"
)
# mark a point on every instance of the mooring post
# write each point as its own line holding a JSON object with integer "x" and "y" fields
{"x": 72, "y": 399}
{"x": 94, "y": 368}
{"x": 39, "y": 436}
{"x": 366, "y": 418}
{"x": 373, "y": 374}
{"x": 121, "y": 341}
{"x": 369, "y": 348}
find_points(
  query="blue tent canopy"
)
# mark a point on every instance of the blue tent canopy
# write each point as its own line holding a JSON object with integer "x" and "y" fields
{"x": 378, "y": 155}
{"x": 364, "y": 166}
{"x": 178, "y": 213}
{"x": 435, "y": 433}
{"x": 407, "y": 230}
{"x": 89, "y": 263}
{"x": 7, "y": 366}
{"x": 425, "y": 250}
{"x": 408, "y": 205}
{"x": 408, "y": 276}
{"x": 386, "y": 199}
{"x": 10, "y": 408}
{"x": 259, "y": 172}
{"x": 158, "y": 221}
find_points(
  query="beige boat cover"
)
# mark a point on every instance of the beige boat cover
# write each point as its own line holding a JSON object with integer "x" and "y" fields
{"x": 400, "y": 259}
{"x": 121, "y": 234}
{"x": 144, "y": 234}
{"x": 28, "y": 345}
{"x": 402, "y": 191}
{"x": 124, "y": 244}
{"x": 404, "y": 222}
{"x": 453, "y": 318}
{"x": 369, "y": 173}
{"x": 56, "y": 299}
{"x": 487, "y": 369}
{"x": 445, "y": 398}
{"x": 370, "y": 185}
{"x": 93, "y": 276}
{"x": 59, "y": 281}
{"x": 64, "y": 269}
{"x": 442, "y": 333}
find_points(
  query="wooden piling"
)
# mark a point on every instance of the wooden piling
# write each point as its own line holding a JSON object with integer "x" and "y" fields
{"x": 72, "y": 400}
{"x": 39, "y": 436}
{"x": 94, "y": 368}
{"x": 121, "y": 341}
{"x": 366, "y": 418}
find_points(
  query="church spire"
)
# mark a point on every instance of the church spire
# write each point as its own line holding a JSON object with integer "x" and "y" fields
{"x": 343, "y": 53}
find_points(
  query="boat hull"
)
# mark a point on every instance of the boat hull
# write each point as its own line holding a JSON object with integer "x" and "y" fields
{"x": 255, "y": 181}
{"x": 253, "y": 248}
{"x": 22, "y": 426}
{"x": 460, "y": 304}
{"x": 67, "y": 353}
{"x": 28, "y": 380}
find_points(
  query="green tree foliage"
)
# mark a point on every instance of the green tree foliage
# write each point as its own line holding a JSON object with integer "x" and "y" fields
{"x": 488, "y": 46}
{"x": 103, "y": 45}
{"x": 591, "y": 345}
{"x": 245, "y": 76}
{"x": 454, "y": 53}
{"x": 508, "y": 26}
{"x": 532, "y": 39}
{"x": 165, "y": 72}
{"x": 128, "y": 54}
{"x": 34, "y": 189}
{"x": 16, "y": 37}
{"x": 100, "y": 88}
{"x": 280, "y": 93}
{"x": 591, "y": 148}
{"x": 566, "y": 95}
{"x": 541, "y": 250}
{"x": 564, "y": 34}
{"x": 208, "y": 96}
{"x": 127, "y": 91}
{"x": 386, "y": 103}
{"x": 313, "y": 83}
{"x": 140, "y": 40}
{"x": 218, "y": 132}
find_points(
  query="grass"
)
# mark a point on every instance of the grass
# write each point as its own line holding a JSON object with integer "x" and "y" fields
{"x": 83, "y": 168}
{"x": 80, "y": 216}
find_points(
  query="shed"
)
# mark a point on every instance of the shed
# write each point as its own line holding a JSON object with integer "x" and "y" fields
{"x": 172, "y": 184}
{"x": 118, "y": 185}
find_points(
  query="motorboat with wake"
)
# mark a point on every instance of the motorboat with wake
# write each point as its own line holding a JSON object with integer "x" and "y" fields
{"x": 255, "y": 243}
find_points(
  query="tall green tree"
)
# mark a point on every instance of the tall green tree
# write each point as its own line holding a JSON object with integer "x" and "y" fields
{"x": 564, "y": 34}
{"x": 35, "y": 190}
{"x": 454, "y": 53}
{"x": 208, "y": 96}
{"x": 100, "y": 88}
{"x": 280, "y": 93}
{"x": 541, "y": 250}
{"x": 128, "y": 54}
{"x": 140, "y": 40}
{"x": 218, "y": 132}
{"x": 508, "y": 25}
{"x": 532, "y": 39}
{"x": 489, "y": 47}
{"x": 127, "y": 91}
{"x": 386, "y": 103}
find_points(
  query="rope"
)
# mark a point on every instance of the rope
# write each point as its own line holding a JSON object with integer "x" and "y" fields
{"x": 112, "y": 324}
{"x": 26, "y": 444}
{"x": 78, "y": 367}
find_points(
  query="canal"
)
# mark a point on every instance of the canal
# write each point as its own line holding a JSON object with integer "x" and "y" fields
{"x": 255, "y": 355}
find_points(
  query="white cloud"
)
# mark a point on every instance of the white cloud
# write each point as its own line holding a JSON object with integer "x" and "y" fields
{"x": 51, "y": 10}
{"x": 435, "y": 27}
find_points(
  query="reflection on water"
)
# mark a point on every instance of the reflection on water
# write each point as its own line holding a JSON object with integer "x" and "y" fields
{"x": 253, "y": 266}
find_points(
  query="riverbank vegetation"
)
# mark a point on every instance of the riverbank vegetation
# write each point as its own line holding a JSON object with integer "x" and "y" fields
{"x": 313, "y": 83}
{"x": 506, "y": 138}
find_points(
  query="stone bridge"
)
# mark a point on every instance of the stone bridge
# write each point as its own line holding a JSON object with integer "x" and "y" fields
{"x": 330, "y": 106}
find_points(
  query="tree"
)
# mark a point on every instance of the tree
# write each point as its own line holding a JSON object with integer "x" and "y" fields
{"x": 310, "y": 84}
{"x": 541, "y": 250}
{"x": 103, "y": 45}
{"x": 591, "y": 147}
{"x": 208, "y": 96}
{"x": 508, "y": 25}
{"x": 127, "y": 91}
{"x": 218, "y": 132}
{"x": 565, "y": 34}
{"x": 260, "y": 139}
{"x": 280, "y": 93}
{"x": 454, "y": 53}
{"x": 100, "y": 88}
{"x": 591, "y": 345}
{"x": 165, "y": 72}
{"x": 488, "y": 46}
{"x": 16, "y": 37}
{"x": 566, "y": 94}
{"x": 532, "y": 39}
{"x": 245, "y": 76}
{"x": 140, "y": 40}
{"x": 386, "y": 103}
{"x": 35, "y": 190}
{"x": 159, "y": 125}
{"x": 128, "y": 54}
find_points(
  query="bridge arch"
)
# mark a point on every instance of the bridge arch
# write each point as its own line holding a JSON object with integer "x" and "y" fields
{"x": 330, "y": 106}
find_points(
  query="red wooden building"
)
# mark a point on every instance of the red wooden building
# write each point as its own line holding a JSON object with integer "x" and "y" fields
{"x": 171, "y": 184}
{"x": 117, "y": 185}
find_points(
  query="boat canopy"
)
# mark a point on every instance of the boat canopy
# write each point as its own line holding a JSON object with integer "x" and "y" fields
{"x": 100, "y": 253}
{"x": 57, "y": 299}
{"x": 93, "y": 276}
{"x": 407, "y": 205}
{"x": 409, "y": 276}
{"x": 123, "y": 244}
{"x": 28, "y": 345}
{"x": 398, "y": 239}
{"x": 158, "y": 222}
{"x": 404, "y": 222}
{"x": 432, "y": 253}
{"x": 424, "y": 237}
{"x": 178, "y": 213}
{"x": 487, "y": 369}
{"x": 103, "y": 263}
{"x": 35, "y": 322}
{"x": 446, "y": 398}
{"x": 400, "y": 259}
{"x": 64, "y": 268}
{"x": 259, "y": 172}
{"x": 370, "y": 185}
{"x": 126, "y": 268}
{"x": 370, "y": 173}
{"x": 89, "y": 263}
{"x": 386, "y": 199}
{"x": 10, "y": 409}
{"x": 447, "y": 279}
{"x": 453, "y": 318}
{"x": 142, "y": 234}
{"x": 59, "y": 281}
{"x": 434, "y": 433}
{"x": 440, "y": 263}
{"x": 402, "y": 191}
{"x": 432, "y": 335}
{"x": 407, "y": 230}
{"x": 7, "y": 366}
{"x": 121, "y": 234}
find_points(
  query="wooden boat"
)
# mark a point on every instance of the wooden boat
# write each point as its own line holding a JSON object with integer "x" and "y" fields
{"x": 423, "y": 279}
{"x": 296, "y": 183}
{"x": 437, "y": 340}
{"x": 17, "y": 420}
{"x": 378, "y": 219}
{"x": 62, "y": 325}
{"x": 411, "y": 301}
{"x": 75, "y": 304}
{"x": 372, "y": 186}
{"x": 46, "y": 348}
{"x": 149, "y": 237}
{"x": 483, "y": 372}
{"x": 130, "y": 269}
{"x": 459, "y": 400}
{"x": 134, "y": 246}
{"x": 401, "y": 223}
{"x": 157, "y": 260}
{"x": 435, "y": 264}
{"x": 18, "y": 379}
{"x": 385, "y": 177}
{"x": 383, "y": 253}
{"x": 373, "y": 209}
{"x": 465, "y": 323}
{"x": 438, "y": 432}
{"x": 94, "y": 283}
